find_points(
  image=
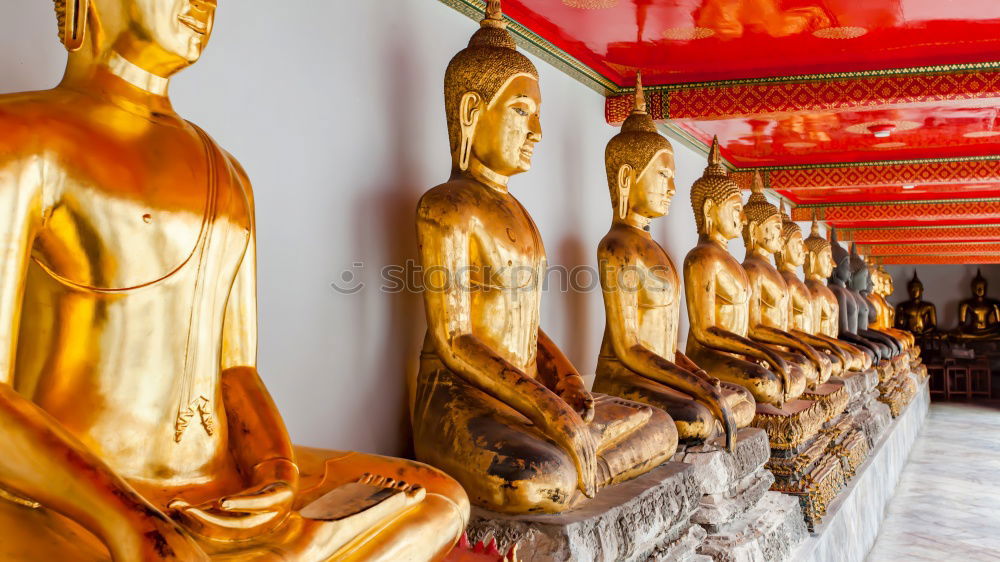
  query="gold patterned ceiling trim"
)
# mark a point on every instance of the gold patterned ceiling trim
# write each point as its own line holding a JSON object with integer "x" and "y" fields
{"x": 957, "y": 201}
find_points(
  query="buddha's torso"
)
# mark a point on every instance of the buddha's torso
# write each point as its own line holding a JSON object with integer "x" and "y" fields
{"x": 769, "y": 300}
{"x": 732, "y": 288}
{"x": 800, "y": 307}
{"x": 978, "y": 314}
{"x": 826, "y": 309}
{"x": 125, "y": 298}
{"x": 657, "y": 287}
{"x": 913, "y": 314}
{"x": 506, "y": 262}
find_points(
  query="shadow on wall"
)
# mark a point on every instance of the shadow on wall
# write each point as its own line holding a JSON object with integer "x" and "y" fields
{"x": 574, "y": 255}
{"x": 944, "y": 285}
{"x": 386, "y": 217}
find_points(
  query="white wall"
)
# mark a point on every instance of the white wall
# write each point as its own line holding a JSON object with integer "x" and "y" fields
{"x": 336, "y": 111}
{"x": 944, "y": 285}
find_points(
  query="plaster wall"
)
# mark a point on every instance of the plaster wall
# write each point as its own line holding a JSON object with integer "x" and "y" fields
{"x": 335, "y": 109}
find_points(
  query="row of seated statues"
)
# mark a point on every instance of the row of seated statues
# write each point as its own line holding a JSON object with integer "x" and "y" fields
{"x": 978, "y": 315}
{"x": 133, "y": 420}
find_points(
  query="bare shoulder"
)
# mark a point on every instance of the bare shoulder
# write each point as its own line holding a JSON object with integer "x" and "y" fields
{"x": 454, "y": 199}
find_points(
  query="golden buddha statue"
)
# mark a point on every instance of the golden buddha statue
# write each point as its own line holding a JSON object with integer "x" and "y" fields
{"x": 769, "y": 293}
{"x": 884, "y": 313}
{"x": 818, "y": 267}
{"x": 978, "y": 316}
{"x": 717, "y": 291}
{"x": 639, "y": 359}
{"x": 916, "y": 315}
{"x": 133, "y": 422}
{"x": 495, "y": 403}
{"x": 801, "y": 323}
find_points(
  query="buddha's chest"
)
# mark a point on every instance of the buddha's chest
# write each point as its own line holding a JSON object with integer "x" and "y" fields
{"x": 124, "y": 223}
{"x": 507, "y": 251}
{"x": 655, "y": 280}
{"x": 732, "y": 286}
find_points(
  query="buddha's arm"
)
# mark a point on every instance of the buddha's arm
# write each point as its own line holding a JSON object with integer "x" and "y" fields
{"x": 844, "y": 318}
{"x": 963, "y": 315}
{"x": 621, "y": 306}
{"x": 816, "y": 342}
{"x": 699, "y": 292}
{"x": 39, "y": 459}
{"x": 444, "y": 250}
{"x": 931, "y": 320}
{"x": 258, "y": 440}
{"x": 554, "y": 366}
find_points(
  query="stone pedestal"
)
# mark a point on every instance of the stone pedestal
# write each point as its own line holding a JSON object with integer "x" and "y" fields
{"x": 743, "y": 519}
{"x": 854, "y": 519}
{"x": 647, "y": 518}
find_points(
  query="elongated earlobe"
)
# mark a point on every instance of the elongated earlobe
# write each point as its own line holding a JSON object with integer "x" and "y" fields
{"x": 468, "y": 118}
{"x": 624, "y": 189}
{"x": 73, "y": 22}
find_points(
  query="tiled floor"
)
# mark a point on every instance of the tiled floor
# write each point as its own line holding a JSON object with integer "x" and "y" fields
{"x": 947, "y": 505}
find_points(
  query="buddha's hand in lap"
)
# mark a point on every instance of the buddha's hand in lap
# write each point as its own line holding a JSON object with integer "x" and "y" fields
{"x": 570, "y": 432}
{"x": 255, "y": 511}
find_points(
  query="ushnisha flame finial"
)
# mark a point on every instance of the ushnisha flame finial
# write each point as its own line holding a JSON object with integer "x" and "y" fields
{"x": 640, "y": 96}
{"x": 757, "y": 208}
{"x": 814, "y": 228}
{"x": 714, "y": 157}
{"x": 494, "y": 15}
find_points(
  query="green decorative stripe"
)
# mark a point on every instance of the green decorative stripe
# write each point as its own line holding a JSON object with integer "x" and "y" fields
{"x": 536, "y": 45}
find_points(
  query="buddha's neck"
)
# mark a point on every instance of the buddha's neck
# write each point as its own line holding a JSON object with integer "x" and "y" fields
{"x": 760, "y": 253}
{"x": 117, "y": 80}
{"x": 479, "y": 172}
{"x": 714, "y": 237}
{"x": 634, "y": 220}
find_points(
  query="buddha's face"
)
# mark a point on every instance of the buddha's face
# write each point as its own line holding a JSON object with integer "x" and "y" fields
{"x": 794, "y": 251}
{"x": 979, "y": 288}
{"x": 824, "y": 262}
{"x": 916, "y": 290}
{"x": 767, "y": 234}
{"x": 888, "y": 286}
{"x": 177, "y": 29}
{"x": 727, "y": 216}
{"x": 509, "y": 127}
{"x": 654, "y": 188}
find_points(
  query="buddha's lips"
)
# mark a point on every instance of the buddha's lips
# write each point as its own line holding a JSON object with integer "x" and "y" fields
{"x": 195, "y": 24}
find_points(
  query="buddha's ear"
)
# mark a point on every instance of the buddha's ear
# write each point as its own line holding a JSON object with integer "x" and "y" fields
{"x": 706, "y": 214}
{"x": 469, "y": 109}
{"x": 626, "y": 175}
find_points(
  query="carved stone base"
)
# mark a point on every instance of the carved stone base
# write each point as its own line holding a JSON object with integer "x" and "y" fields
{"x": 647, "y": 518}
{"x": 816, "y": 489}
{"x": 770, "y": 531}
{"x": 791, "y": 426}
{"x": 831, "y": 396}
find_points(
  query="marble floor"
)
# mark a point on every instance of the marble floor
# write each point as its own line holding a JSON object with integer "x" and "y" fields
{"x": 947, "y": 505}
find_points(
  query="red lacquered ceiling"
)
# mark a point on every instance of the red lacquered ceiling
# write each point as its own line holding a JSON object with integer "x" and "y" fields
{"x": 678, "y": 41}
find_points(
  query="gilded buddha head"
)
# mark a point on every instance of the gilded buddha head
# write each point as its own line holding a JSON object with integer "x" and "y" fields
{"x": 763, "y": 226}
{"x": 159, "y": 36}
{"x": 716, "y": 200}
{"x": 819, "y": 254}
{"x": 492, "y": 101}
{"x": 640, "y": 165}
{"x": 979, "y": 284}
{"x": 915, "y": 287}
{"x": 888, "y": 284}
{"x": 793, "y": 251}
